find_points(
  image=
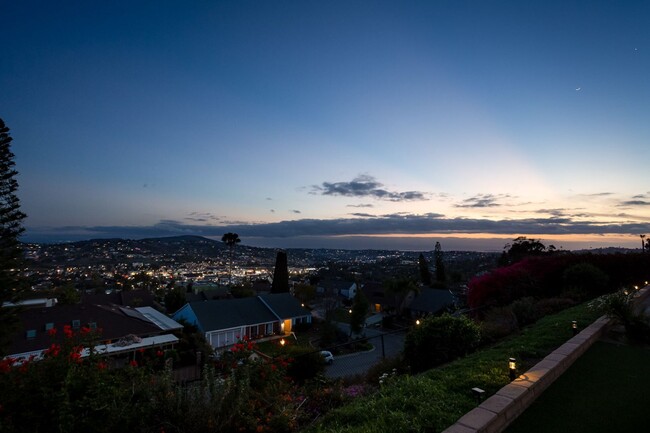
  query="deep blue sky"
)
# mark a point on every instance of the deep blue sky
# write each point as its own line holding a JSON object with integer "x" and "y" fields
{"x": 311, "y": 123}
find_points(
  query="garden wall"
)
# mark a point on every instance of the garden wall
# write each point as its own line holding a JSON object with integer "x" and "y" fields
{"x": 498, "y": 411}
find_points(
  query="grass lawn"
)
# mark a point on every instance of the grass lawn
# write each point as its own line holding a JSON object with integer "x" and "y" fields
{"x": 434, "y": 400}
{"x": 604, "y": 391}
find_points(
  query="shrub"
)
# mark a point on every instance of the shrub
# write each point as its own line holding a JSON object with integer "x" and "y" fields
{"x": 499, "y": 322}
{"x": 620, "y": 307}
{"x": 525, "y": 311}
{"x": 549, "y": 306}
{"x": 440, "y": 339}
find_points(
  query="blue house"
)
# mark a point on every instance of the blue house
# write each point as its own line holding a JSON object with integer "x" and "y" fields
{"x": 224, "y": 322}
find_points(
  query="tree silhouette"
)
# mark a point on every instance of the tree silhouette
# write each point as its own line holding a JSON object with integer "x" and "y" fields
{"x": 280, "y": 274}
{"x": 10, "y": 229}
{"x": 441, "y": 275}
{"x": 425, "y": 275}
{"x": 642, "y": 243}
{"x": 230, "y": 239}
{"x": 360, "y": 307}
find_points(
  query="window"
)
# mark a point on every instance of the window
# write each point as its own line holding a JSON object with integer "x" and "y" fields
{"x": 31, "y": 333}
{"x": 92, "y": 325}
{"x": 76, "y": 324}
{"x": 49, "y": 326}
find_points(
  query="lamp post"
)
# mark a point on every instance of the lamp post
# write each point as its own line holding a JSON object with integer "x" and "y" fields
{"x": 512, "y": 367}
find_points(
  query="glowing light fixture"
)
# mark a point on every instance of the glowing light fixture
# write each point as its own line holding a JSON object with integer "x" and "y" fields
{"x": 282, "y": 342}
{"x": 512, "y": 368}
{"x": 574, "y": 327}
{"x": 417, "y": 322}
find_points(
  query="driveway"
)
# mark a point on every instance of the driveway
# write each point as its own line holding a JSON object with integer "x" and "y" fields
{"x": 384, "y": 344}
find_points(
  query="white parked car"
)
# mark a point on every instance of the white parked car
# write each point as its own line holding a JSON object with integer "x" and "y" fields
{"x": 327, "y": 356}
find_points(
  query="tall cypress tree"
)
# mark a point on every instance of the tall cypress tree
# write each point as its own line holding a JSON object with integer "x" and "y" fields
{"x": 441, "y": 276}
{"x": 280, "y": 274}
{"x": 425, "y": 275}
{"x": 11, "y": 227}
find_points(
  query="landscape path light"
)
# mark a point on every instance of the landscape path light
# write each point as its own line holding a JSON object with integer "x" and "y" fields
{"x": 574, "y": 327}
{"x": 512, "y": 368}
{"x": 282, "y": 342}
{"x": 478, "y": 393}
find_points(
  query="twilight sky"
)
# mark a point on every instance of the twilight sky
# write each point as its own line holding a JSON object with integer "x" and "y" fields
{"x": 384, "y": 124}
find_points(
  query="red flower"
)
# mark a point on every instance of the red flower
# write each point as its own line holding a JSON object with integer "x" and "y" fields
{"x": 67, "y": 331}
{"x": 75, "y": 357}
{"x": 160, "y": 353}
{"x": 133, "y": 363}
{"x": 85, "y": 330}
{"x": 51, "y": 332}
{"x": 102, "y": 365}
{"x": 53, "y": 350}
{"x": 141, "y": 351}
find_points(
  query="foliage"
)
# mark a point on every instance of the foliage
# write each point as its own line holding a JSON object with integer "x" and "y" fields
{"x": 305, "y": 364}
{"x": 425, "y": 274}
{"x": 360, "y": 307}
{"x": 174, "y": 299}
{"x": 11, "y": 227}
{"x": 441, "y": 275}
{"x": 304, "y": 292}
{"x": 549, "y": 276}
{"x": 581, "y": 278}
{"x": 400, "y": 288}
{"x": 521, "y": 248}
{"x": 438, "y": 340}
{"x": 230, "y": 239}
{"x": 434, "y": 400}
{"x": 280, "y": 274}
{"x": 620, "y": 306}
{"x": 525, "y": 311}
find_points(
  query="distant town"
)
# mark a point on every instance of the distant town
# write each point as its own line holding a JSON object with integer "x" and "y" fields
{"x": 106, "y": 265}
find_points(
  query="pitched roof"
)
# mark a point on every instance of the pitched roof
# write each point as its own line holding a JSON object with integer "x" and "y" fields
{"x": 230, "y": 313}
{"x": 114, "y": 322}
{"x": 284, "y": 305}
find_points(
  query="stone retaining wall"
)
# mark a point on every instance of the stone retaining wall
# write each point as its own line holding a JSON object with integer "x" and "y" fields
{"x": 498, "y": 411}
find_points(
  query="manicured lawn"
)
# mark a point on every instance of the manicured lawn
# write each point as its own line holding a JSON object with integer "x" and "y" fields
{"x": 434, "y": 400}
{"x": 606, "y": 390}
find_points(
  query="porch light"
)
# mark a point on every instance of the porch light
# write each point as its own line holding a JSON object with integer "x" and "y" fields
{"x": 636, "y": 287}
{"x": 574, "y": 327}
{"x": 417, "y": 322}
{"x": 350, "y": 311}
{"x": 512, "y": 367}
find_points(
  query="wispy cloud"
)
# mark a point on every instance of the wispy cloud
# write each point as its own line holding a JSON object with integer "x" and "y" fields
{"x": 363, "y": 205}
{"x": 361, "y": 224}
{"x": 366, "y": 186}
{"x": 482, "y": 200}
{"x": 295, "y": 211}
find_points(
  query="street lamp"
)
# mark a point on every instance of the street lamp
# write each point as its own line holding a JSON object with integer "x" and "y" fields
{"x": 512, "y": 367}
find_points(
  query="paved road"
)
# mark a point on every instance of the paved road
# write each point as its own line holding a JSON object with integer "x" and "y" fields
{"x": 359, "y": 363}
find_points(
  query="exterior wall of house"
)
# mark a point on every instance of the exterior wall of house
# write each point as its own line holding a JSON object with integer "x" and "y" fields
{"x": 187, "y": 314}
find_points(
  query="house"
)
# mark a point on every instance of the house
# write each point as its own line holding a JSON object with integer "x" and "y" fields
{"x": 379, "y": 300}
{"x": 345, "y": 289}
{"x": 431, "y": 301}
{"x": 224, "y": 322}
{"x": 121, "y": 330}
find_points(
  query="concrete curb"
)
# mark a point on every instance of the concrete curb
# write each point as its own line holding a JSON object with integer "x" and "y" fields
{"x": 497, "y": 412}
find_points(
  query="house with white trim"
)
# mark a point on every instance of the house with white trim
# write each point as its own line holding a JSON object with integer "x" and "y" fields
{"x": 224, "y": 322}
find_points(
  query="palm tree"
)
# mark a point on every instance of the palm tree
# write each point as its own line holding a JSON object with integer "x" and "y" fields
{"x": 642, "y": 243}
{"x": 230, "y": 239}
